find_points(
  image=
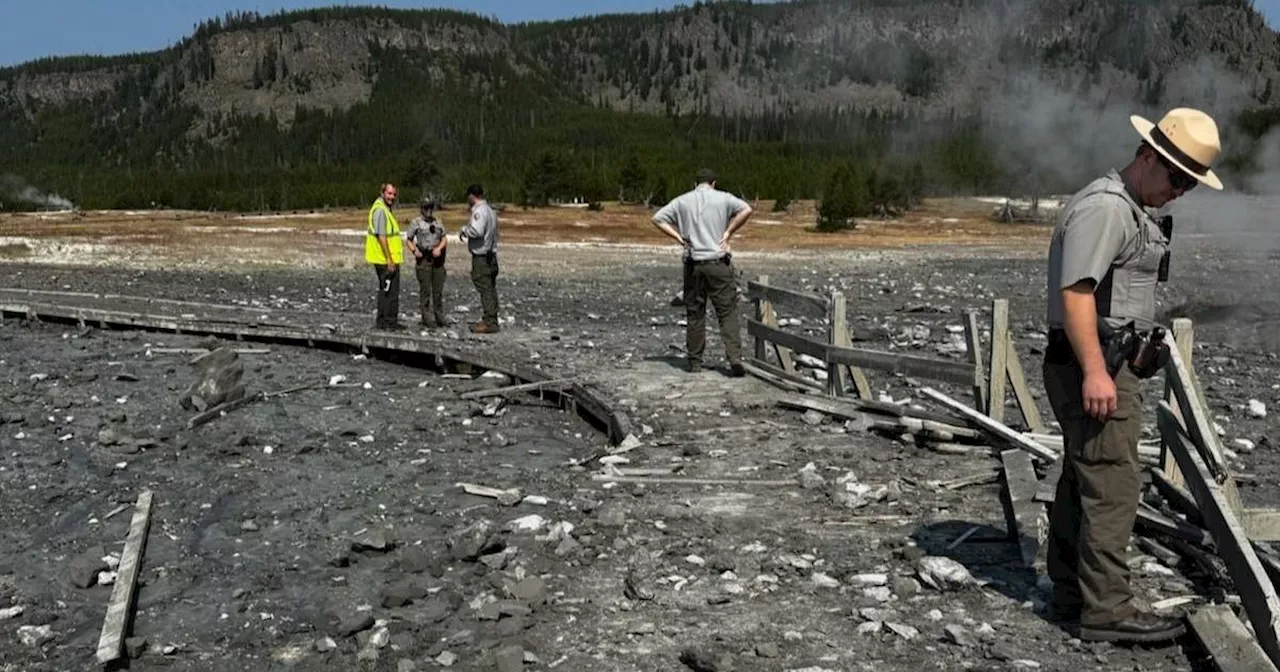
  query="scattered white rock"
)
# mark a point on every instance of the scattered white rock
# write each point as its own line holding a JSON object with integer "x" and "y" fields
{"x": 107, "y": 578}
{"x": 337, "y": 380}
{"x": 11, "y": 612}
{"x": 869, "y": 628}
{"x": 530, "y": 523}
{"x": 824, "y": 580}
{"x": 904, "y": 631}
{"x": 695, "y": 560}
{"x": 934, "y": 615}
{"x": 1257, "y": 409}
{"x": 867, "y": 579}
{"x": 325, "y": 644}
{"x": 943, "y": 573}
{"x": 446, "y": 659}
{"x": 1244, "y": 444}
{"x": 34, "y": 635}
{"x": 536, "y": 500}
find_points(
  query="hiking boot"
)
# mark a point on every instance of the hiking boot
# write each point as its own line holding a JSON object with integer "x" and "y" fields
{"x": 693, "y": 367}
{"x": 484, "y": 328}
{"x": 1063, "y": 614}
{"x": 736, "y": 370}
{"x": 1141, "y": 628}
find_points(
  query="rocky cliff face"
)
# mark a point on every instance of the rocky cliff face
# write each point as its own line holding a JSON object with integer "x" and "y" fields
{"x": 934, "y": 57}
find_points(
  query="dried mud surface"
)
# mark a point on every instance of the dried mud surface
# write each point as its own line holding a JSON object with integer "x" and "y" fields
{"x": 250, "y": 564}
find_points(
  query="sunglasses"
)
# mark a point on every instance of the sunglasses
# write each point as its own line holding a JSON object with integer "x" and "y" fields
{"x": 1177, "y": 178}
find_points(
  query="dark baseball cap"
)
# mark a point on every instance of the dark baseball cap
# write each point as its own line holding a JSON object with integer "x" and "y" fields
{"x": 706, "y": 175}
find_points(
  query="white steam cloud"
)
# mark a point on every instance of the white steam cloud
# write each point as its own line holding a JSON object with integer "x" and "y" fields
{"x": 14, "y": 189}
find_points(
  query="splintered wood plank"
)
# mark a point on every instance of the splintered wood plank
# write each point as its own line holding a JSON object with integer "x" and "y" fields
{"x": 120, "y": 608}
{"x": 1021, "y": 512}
{"x": 973, "y": 339}
{"x": 1047, "y": 491}
{"x": 1246, "y": 570}
{"x": 992, "y": 426}
{"x": 1194, "y": 415}
{"x": 999, "y": 358}
{"x": 808, "y": 305}
{"x": 1228, "y": 641}
{"x": 1184, "y": 337}
{"x": 842, "y": 338}
{"x": 1021, "y": 392}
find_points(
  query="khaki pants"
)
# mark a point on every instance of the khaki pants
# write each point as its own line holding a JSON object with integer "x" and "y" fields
{"x": 431, "y": 276}
{"x": 1097, "y": 498}
{"x": 484, "y": 274}
{"x": 712, "y": 280}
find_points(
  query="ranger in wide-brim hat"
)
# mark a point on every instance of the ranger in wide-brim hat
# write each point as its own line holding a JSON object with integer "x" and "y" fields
{"x": 1105, "y": 261}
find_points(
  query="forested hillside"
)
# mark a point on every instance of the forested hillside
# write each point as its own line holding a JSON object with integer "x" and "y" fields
{"x": 314, "y": 108}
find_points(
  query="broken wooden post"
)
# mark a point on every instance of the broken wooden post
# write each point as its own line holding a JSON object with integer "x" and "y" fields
{"x": 1246, "y": 570}
{"x": 973, "y": 339}
{"x": 1184, "y": 337}
{"x": 762, "y": 309}
{"x": 992, "y": 426}
{"x": 120, "y": 608}
{"x": 1021, "y": 393}
{"x": 1195, "y": 416}
{"x": 999, "y": 358}
{"x": 841, "y": 337}
{"x": 1021, "y": 511}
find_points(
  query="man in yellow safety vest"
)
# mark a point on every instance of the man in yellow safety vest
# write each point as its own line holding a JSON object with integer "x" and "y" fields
{"x": 385, "y": 251}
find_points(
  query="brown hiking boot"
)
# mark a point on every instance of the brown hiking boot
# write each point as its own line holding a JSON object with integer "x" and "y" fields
{"x": 1140, "y": 628}
{"x": 484, "y": 328}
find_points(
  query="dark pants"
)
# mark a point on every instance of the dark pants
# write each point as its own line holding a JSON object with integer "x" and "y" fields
{"x": 1097, "y": 498}
{"x": 484, "y": 274}
{"x": 431, "y": 276}
{"x": 712, "y": 280}
{"x": 388, "y": 296}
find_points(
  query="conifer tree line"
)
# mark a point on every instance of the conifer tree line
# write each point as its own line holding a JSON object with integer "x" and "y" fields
{"x": 437, "y": 121}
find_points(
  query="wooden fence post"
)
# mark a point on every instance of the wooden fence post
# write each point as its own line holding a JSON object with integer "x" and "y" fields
{"x": 840, "y": 338}
{"x": 999, "y": 358}
{"x": 973, "y": 339}
{"x": 762, "y": 309}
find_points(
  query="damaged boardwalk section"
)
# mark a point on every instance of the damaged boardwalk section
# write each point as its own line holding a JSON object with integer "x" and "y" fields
{"x": 319, "y": 496}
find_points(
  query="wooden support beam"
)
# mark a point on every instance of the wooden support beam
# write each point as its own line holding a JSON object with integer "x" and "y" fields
{"x": 836, "y": 323}
{"x": 786, "y": 359}
{"x": 999, "y": 358}
{"x": 1228, "y": 641}
{"x": 808, "y": 305}
{"x": 1246, "y": 571}
{"x": 942, "y": 370}
{"x": 995, "y": 428}
{"x": 761, "y": 316}
{"x": 973, "y": 339}
{"x": 1152, "y": 520}
{"x": 1177, "y": 496}
{"x": 1021, "y": 512}
{"x": 512, "y": 389}
{"x": 120, "y": 608}
{"x": 790, "y": 341}
{"x": 1021, "y": 392}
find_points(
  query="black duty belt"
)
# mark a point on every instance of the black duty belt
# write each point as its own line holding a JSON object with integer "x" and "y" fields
{"x": 702, "y": 262}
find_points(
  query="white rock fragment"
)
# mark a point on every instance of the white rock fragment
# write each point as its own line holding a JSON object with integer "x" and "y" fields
{"x": 824, "y": 580}
{"x": 34, "y": 635}
{"x": 446, "y": 659}
{"x": 530, "y": 523}
{"x": 695, "y": 560}
{"x": 1257, "y": 409}
{"x": 11, "y": 612}
{"x": 337, "y": 380}
{"x": 107, "y": 578}
{"x": 536, "y": 500}
{"x": 943, "y": 573}
{"x": 869, "y": 628}
{"x": 867, "y": 579}
{"x": 904, "y": 631}
{"x": 1244, "y": 444}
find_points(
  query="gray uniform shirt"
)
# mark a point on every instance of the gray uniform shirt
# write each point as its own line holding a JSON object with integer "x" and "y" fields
{"x": 482, "y": 230}
{"x": 425, "y": 234}
{"x": 701, "y": 216}
{"x": 1104, "y": 236}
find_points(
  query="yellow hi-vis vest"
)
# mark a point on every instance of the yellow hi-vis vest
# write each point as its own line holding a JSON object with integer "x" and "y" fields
{"x": 372, "y": 250}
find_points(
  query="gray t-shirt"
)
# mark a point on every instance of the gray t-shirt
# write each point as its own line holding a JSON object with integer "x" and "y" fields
{"x": 1103, "y": 236}
{"x": 425, "y": 234}
{"x": 482, "y": 230}
{"x": 701, "y": 216}
{"x": 379, "y": 222}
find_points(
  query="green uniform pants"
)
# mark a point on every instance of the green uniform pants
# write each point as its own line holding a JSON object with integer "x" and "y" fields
{"x": 712, "y": 280}
{"x": 484, "y": 274}
{"x": 1097, "y": 498}
{"x": 431, "y": 276}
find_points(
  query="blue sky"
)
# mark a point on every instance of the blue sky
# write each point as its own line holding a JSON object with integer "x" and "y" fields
{"x": 37, "y": 28}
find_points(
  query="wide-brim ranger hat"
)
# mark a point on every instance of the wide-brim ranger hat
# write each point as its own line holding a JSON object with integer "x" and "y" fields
{"x": 1188, "y": 138}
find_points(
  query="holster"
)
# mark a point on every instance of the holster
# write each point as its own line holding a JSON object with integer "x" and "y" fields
{"x": 1146, "y": 353}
